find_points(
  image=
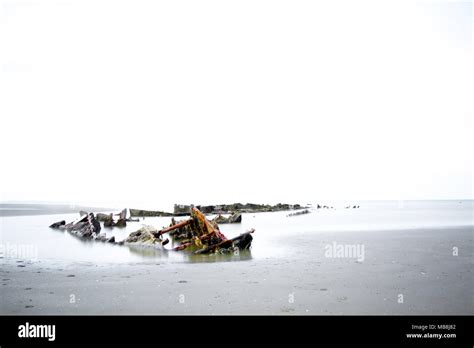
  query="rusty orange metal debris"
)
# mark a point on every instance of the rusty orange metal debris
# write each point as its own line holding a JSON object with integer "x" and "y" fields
{"x": 204, "y": 236}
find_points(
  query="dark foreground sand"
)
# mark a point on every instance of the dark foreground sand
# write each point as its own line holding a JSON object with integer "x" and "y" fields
{"x": 417, "y": 264}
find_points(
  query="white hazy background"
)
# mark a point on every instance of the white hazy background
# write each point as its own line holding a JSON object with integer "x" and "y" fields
{"x": 223, "y": 101}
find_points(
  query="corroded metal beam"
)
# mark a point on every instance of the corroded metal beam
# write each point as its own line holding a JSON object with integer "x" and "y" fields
{"x": 174, "y": 227}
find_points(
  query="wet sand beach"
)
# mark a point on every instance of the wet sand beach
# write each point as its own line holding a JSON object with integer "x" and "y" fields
{"x": 410, "y": 271}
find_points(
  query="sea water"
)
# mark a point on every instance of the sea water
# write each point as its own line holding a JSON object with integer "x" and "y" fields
{"x": 277, "y": 235}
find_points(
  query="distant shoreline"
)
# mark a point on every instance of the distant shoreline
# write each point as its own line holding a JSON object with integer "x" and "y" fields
{"x": 28, "y": 209}
{"x": 18, "y": 209}
{"x": 31, "y": 209}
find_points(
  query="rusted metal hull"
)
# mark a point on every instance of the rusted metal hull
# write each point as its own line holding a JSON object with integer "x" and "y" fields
{"x": 203, "y": 236}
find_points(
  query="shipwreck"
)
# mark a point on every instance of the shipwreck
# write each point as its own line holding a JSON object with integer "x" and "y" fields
{"x": 196, "y": 234}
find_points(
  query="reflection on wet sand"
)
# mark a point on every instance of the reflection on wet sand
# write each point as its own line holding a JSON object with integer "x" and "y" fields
{"x": 163, "y": 253}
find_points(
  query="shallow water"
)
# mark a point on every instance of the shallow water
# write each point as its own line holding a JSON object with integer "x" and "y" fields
{"x": 277, "y": 235}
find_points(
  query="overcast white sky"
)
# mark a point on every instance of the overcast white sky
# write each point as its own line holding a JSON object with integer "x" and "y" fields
{"x": 223, "y": 101}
